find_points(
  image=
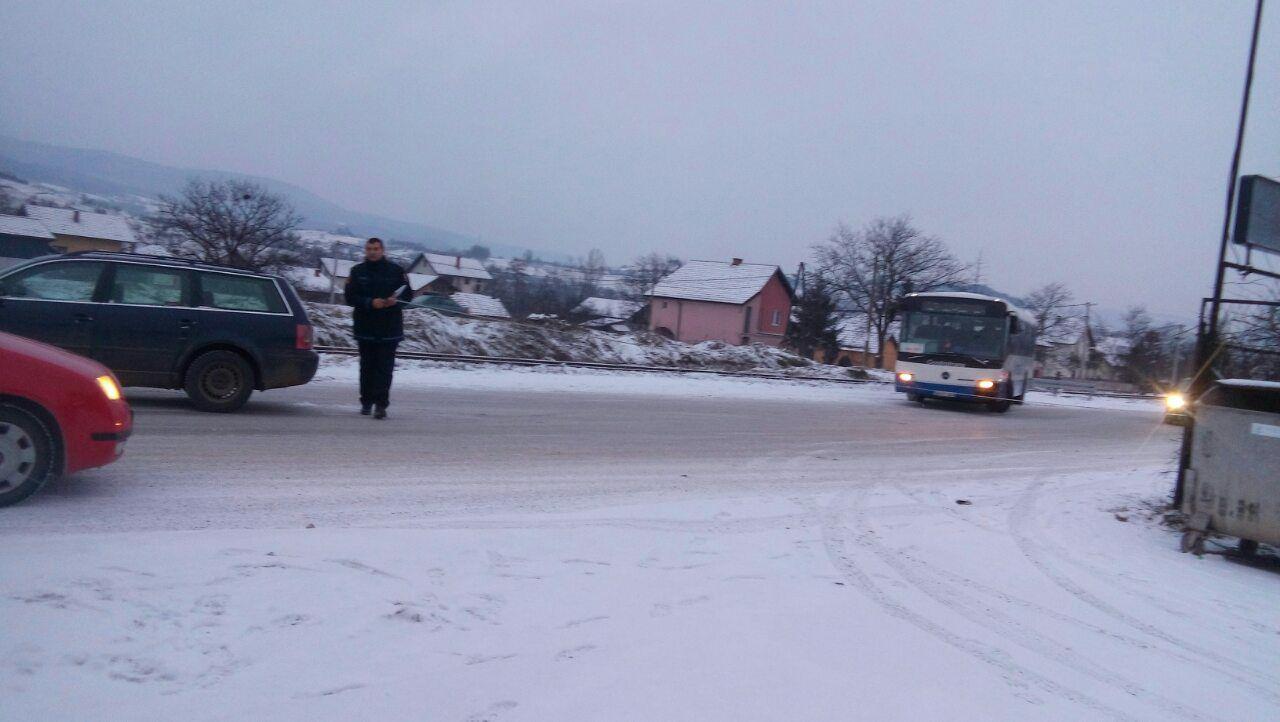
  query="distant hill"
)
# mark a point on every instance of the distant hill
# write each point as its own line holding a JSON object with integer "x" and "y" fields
{"x": 131, "y": 182}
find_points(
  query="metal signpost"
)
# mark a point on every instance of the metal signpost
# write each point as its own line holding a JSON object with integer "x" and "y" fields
{"x": 1256, "y": 228}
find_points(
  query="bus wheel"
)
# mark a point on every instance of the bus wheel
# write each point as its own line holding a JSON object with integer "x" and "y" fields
{"x": 916, "y": 398}
{"x": 1001, "y": 406}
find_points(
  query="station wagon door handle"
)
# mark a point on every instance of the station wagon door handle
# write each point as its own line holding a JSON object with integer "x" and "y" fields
{"x": 82, "y": 318}
{"x": 187, "y": 323}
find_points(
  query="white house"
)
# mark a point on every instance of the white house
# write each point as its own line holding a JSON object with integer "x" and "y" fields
{"x": 457, "y": 272}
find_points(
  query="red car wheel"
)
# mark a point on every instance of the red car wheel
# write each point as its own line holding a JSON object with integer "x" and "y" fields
{"x": 26, "y": 454}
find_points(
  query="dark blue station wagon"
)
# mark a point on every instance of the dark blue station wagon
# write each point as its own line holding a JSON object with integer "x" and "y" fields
{"x": 218, "y": 333}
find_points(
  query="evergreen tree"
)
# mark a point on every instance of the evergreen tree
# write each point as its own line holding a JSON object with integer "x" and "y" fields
{"x": 813, "y": 327}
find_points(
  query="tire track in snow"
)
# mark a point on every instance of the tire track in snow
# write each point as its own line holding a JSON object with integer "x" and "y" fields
{"x": 987, "y": 616}
{"x": 1020, "y": 516}
{"x": 834, "y": 535}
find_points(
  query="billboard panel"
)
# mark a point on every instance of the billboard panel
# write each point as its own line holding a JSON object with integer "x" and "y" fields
{"x": 1258, "y": 213}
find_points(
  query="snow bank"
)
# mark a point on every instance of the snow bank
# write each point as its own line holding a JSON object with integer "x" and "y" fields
{"x": 429, "y": 331}
{"x": 1113, "y": 403}
{"x": 558, "y": 380}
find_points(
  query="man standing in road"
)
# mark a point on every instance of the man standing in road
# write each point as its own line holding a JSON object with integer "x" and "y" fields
{"x": 374, "y": 290}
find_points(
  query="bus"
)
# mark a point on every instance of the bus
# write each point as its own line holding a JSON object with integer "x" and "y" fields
{"x": 964, "y": 346}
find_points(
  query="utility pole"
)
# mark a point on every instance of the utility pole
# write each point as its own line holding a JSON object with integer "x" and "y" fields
{"x": 1088, "y": 340}
{"x": 1207, "y": 343}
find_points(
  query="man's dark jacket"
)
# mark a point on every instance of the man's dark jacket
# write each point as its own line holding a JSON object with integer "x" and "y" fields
{"x": 370, "y": 280}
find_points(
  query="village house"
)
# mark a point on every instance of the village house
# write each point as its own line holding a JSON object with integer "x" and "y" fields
{"x": 22, "y": 238}
{"x": 860, "y": 346}
{"x": 1075, "y": 351}
{"x": 74, "y": 230}
{"x": 455, "y": 273}
{"x": 329, "y": 278}
{"x": 735, "y": 302}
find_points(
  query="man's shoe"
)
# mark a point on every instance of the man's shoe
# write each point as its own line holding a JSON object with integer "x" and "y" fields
{"x": 366, "y": 409}
{"x": 380, "y": 412}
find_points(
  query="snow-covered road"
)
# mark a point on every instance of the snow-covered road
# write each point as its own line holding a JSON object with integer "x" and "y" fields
{"x": 533, "y": 545}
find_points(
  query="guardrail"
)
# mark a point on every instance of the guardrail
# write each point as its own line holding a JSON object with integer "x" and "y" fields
{"x": 515, "y": 361}
{"x": 1077, "y": 390}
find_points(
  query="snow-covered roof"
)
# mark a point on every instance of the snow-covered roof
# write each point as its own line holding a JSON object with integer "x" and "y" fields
{"x": 416, "y": 280}
{"x": 342, "y": 264}
{"x": 70, "y": 222}
{"x": 23, "y": 226}
{"x": 459, "y": 266}
{"x": 615, "y": 308}
{"x": 306, "y": 278}
{"x": 1114, "y": 348}
{"x": 420, "y": 280}
{"x": 715, "y": 281}
{"x": 478, "y": 304}
{"x": 851, "y": 331}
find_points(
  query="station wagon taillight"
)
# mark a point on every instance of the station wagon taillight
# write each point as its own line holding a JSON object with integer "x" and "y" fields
{"x": 305, "y": 335}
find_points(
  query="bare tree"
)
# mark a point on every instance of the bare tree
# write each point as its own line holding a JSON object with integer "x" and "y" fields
{"x": 593, "y": 269}
{"x": 232, "y": 223}
{"x": 645, "y": 272}
{"x": 1048, "y": 304}
{"x": 1256, "y": 335}
{"x": 869, "y": 269}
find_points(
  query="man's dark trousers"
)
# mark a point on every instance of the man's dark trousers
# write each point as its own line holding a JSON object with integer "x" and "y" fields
{"x": 377, "y": 361}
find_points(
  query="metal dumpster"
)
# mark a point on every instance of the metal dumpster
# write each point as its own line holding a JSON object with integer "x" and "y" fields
{"x": 1233, "y": 481}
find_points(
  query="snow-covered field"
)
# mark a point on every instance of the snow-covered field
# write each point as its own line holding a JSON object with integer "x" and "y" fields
{"x": 859, "y": 557}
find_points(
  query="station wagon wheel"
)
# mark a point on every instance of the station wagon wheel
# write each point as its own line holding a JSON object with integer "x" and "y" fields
{"x": 26, "y": 454}
{"x": 219, "y": 381}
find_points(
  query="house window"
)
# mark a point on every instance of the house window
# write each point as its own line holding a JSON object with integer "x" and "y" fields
{"x": 777, "y": 317}
{"x": 746, "y": 321}
{"x": 664, "y": 304}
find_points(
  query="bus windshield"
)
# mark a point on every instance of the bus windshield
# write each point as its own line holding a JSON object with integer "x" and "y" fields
{"x": 982, "y": 337}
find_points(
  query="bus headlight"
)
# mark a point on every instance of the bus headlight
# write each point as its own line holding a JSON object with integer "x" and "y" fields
{"x": 906, "y": 377}
{"x": 1175, "y": 402}
{"x": 986, "y": 384}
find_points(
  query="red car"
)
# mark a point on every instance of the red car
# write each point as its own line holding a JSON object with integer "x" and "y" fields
{"x": 59, "y": 413}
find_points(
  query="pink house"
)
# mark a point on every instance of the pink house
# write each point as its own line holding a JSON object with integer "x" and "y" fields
{"x": 735, "y": 302}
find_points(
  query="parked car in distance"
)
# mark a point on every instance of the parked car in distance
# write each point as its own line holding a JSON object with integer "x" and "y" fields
{"x": 218, "y": 333}
{"x": 1177, "y": 411}
{"x": 59, "y": 413}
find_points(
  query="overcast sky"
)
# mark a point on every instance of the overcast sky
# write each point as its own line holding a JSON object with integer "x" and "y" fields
{"x": 1086, "y": 142}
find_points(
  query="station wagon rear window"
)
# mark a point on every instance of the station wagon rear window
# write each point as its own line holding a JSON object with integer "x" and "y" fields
{"x": 240, "y": 293}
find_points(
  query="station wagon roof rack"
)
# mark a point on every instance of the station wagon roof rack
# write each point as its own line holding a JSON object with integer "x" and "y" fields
{"x": 171, "y": 260}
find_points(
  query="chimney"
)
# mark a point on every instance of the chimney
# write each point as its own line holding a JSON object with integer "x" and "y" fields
{"x": 457, "y": 261}
{"x": 75, "y": 216}
{"x": 736, "y": 262}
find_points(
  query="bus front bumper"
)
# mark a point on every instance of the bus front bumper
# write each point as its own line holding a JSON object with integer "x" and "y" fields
{"x": 948, "y": 391}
